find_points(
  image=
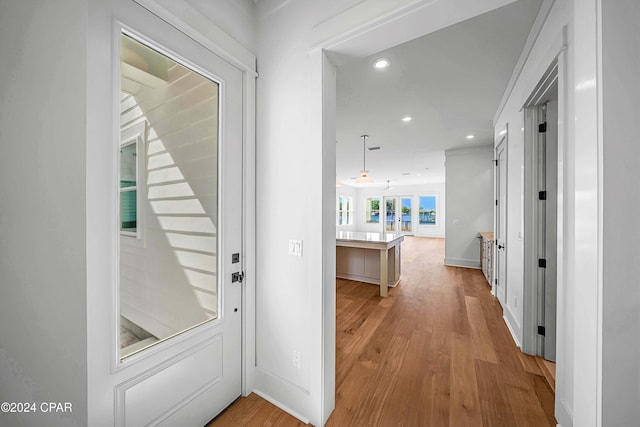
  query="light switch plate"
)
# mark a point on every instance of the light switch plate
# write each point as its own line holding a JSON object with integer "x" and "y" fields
{"x": 295, "y": 247}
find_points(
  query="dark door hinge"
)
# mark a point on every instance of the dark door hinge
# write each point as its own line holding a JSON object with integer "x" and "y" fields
{"x": 496, "y": 162}
{"x": 541, "y": 330}
{"x": 542, "y": 263}
{"x": 542, "y": 127}
{"x": 542, "y": 195}
{"x": 496, "y": 203}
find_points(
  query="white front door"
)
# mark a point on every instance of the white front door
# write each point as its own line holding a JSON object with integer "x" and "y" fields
{"x": 179, "y": 193}
{"x": 501, "y": 224}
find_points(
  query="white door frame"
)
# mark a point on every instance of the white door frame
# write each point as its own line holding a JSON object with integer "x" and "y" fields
{"x": 531, "y": 340}
{"x": 499, "y": 257}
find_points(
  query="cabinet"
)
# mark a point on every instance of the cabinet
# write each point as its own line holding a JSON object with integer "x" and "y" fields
{"x": 486, "y": 255}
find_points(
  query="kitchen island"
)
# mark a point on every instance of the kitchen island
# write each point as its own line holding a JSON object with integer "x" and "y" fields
{"x": 368, "y": 257}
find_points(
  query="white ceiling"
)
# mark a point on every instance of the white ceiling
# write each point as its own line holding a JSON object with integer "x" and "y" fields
{"x": 450, "y": 81}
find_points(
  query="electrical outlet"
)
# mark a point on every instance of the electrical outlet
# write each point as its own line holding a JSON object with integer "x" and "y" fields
{"x": 296, "y": 359}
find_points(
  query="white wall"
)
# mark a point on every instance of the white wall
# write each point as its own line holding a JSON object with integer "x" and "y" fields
{"x": 621, "y": 204}
{"x": 470, "y": 203}
{"x": 43, "y": 305}
{"x": 290, "y": 205}
{"x": 543, "y": 46}
{"x": 415, "y": 191}
{"x": 295, "y": 157}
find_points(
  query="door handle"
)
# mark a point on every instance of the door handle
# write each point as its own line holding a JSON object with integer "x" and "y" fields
{"x": 500, "y": 246}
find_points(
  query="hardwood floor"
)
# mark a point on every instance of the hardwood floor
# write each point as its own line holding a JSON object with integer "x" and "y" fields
{"x": 435, "y": 352}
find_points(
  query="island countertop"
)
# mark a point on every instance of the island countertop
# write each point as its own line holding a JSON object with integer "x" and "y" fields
{"x": 367, "y": 237}
{"x": 369, "y": 257}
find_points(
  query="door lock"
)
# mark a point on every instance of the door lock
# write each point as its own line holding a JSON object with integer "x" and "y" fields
{"x": 237, "y": 277}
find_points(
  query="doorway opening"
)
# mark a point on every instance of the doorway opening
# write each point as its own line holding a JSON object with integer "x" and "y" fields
{"x": 398, "y": 215}
{"x": 541, "y": 217}
{"x": 500, "y": 259}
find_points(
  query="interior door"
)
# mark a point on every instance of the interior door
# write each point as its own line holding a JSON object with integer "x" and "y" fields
{"x": 501, "y": 226}
{"x": 180, "y": 230}
{"x": 547, "y": 228}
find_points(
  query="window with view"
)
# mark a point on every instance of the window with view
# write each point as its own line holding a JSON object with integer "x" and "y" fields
{"x": 345, "y": 210}
{"x": 129, "y": 187}
{"x": 428, "y": 210}
{"x": 373, "y": 210}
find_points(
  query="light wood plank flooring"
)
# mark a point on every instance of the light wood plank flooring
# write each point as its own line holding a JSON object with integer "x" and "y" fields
{"x": 436, "y": 352}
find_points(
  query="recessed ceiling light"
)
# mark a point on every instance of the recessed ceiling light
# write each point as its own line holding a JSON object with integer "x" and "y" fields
{"x": 470, "y": 136}
{"x": 381, "y": 63}
{"x": 407, "y": 119}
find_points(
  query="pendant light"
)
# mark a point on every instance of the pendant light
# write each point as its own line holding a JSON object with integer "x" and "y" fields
{"x": 364, "y": 173}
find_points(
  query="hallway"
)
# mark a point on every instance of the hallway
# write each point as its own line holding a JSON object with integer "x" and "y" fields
{"x": 436, "y": 352}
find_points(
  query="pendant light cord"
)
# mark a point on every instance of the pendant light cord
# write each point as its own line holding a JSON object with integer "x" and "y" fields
{"x": 364, "y": 151}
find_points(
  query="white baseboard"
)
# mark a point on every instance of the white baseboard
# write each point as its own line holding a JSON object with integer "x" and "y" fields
{"x": 466, "y": 263}
{"x": 281, "y": 406}
{"x": 563, "y": 414}
{"x": 513, "y": 334}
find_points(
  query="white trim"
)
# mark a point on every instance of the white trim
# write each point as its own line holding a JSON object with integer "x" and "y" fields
{"x": 282, "y": 406}
{"x": 504, "y": 139}
{"x": 563, "y": 411}
{"x": 530, "y": 215}
{"x": 248, "y": 254}
{"x": 195, "y": 25}
{"x": 511, "y": 331}
{"x": 600, "y": 210}
{"x": 464, "y": 263}
{"x": 536, "y": 29}
{"x": 467, "y": 150}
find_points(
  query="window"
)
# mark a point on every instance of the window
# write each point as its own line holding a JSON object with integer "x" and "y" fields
{"x": 129, "y": 170}
{"x": 345, "y": 210}
{"x": 373, "y": 210}
{"x": 428, "y": 210}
